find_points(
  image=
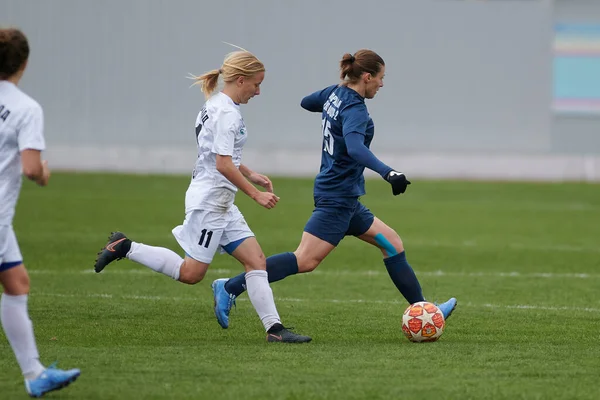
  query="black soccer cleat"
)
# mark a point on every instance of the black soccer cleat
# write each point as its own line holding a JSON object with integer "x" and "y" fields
{"x": 278, "y": 333}
{"x": 117, "y": 248}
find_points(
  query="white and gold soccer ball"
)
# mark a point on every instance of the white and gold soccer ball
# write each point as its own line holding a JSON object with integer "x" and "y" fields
{"x": 423, "y": 322}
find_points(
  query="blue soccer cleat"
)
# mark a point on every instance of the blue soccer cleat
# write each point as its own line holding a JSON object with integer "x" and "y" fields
{"x": 448, "y": 307}
{"x": 51, "y": 379}
{"x": 223, "y": 302}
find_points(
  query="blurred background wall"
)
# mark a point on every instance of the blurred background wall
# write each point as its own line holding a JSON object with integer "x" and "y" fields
{"x": 473, "y": 89}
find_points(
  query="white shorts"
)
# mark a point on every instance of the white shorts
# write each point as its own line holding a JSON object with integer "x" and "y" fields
{"x": 10, "y": 255}
{"x": 204, "y": 232}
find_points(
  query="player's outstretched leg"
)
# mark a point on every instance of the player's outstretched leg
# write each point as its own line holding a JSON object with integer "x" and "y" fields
{"x": 448, "y": 307}
{"x": 51, "y": 379}
{"x": 223, "y": 302}
{"x": 117, "y": 248}
{"x": 400, "y": 271}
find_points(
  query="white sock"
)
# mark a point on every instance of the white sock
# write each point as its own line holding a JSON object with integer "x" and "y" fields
{"x": 261, "y": 297}
{"x": 19, "y": 331}
{"x": 159, "y": 259}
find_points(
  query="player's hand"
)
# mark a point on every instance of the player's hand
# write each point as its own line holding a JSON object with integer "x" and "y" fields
{"x": 43, "y": 181}
{"x": 398, "y": 181}
{"x": 266, "y": 199}
{"x": 261, "y": 180}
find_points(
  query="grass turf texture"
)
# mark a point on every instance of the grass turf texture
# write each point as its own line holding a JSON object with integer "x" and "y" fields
{"x": 522, "y": 258}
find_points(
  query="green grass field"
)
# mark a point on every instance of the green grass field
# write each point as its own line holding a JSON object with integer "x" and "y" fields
{"x": 522, "y": 258}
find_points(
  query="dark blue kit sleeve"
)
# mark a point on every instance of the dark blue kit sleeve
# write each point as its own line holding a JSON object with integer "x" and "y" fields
{"x": 355, "y": 143}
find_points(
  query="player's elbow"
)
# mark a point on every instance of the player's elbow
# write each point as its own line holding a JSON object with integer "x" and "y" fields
{"x": 354, "y": 153}
{"x": 304, "y": 104}
{"x": 222, "y": 168}
{"x": 309, "y": 105}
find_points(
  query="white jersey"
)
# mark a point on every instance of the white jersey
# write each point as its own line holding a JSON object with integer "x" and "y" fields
{"x": 220, "y": 130}
{"x": 21, "y": 128}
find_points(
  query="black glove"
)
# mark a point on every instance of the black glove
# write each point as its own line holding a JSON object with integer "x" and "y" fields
{"x": 398, "y": 181}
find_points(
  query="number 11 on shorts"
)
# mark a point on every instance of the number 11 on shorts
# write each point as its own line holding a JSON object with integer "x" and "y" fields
{"x": 205, "y": 235}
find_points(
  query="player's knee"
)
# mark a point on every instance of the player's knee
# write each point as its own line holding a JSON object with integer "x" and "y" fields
{"x": 191, "y": 276}
{"x": 258, "y": 263}
{"x": 23, "y": 282}
{"x": 307, "y": 264}
{"x": 16, "y": 283}
{"x": 390, "y": 244}
{"x": 397, "y": 244}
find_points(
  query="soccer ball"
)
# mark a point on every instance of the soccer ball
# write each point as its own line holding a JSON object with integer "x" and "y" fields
{"x": 423, "y": 322}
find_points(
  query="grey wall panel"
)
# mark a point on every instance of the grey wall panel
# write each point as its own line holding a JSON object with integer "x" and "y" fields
{"x": 461, "y": 76}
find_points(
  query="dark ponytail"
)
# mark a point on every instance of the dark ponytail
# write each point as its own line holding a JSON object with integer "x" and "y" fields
{"x": 14, "y": 52}
{"x": 354, "y": 65}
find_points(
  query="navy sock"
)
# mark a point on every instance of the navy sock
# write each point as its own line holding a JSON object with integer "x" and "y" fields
{"x": 404, "y": 277}
{"x": 279, "y": 266}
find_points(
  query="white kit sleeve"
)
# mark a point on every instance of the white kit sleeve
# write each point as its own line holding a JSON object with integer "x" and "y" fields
{"x": 226, "y": 127}
{"x": 30, "y": 132}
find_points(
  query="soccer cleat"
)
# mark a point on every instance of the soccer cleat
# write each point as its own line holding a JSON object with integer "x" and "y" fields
{"x": 278, "y": 333}
{"x": 112, "y": 251}
{"x": 448, "y": 307}
{"x": 51, "y": 379}
{"x": 223, "y": 302}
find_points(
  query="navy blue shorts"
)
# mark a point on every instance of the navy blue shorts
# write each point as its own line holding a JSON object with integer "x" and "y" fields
{"x": 334, "y": 218}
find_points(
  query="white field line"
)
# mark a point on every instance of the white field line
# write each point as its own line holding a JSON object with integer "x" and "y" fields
{"x": 333, "y": 301}
{"x": 440, "y": 273}
{"x": 516, "y": 246}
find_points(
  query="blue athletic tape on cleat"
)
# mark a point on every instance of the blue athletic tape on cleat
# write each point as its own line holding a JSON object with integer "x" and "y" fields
{"x": 387, "y": 246}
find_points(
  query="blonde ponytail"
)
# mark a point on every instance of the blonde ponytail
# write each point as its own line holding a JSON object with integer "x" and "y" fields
{"x": 207, "y": 81}
{"x": 236, "y": 64}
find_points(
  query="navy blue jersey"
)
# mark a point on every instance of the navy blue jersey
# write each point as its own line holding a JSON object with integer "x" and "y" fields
{"x": 343, "y": 112}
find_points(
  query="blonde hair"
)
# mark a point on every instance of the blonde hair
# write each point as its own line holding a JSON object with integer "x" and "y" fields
{"x": 236, "y": 64}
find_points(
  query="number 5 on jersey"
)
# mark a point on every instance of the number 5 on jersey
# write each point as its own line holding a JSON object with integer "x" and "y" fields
{"x": 327, "y": 137}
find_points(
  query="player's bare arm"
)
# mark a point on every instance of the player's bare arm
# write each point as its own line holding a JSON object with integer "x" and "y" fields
{"x": 34, "y": 168}
{"x": 226, "y": 167}
{"x": 256, "y": 178}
